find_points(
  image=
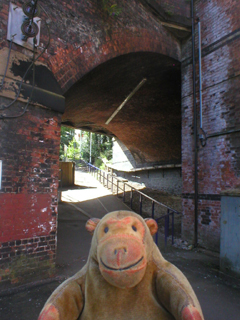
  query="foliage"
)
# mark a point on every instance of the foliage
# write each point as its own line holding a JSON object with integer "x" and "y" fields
{"x": 67, "y": 135}
{"x": 111, "y": 9}
{"x": 101, "y": 147}
{"x": 73, "y": 151}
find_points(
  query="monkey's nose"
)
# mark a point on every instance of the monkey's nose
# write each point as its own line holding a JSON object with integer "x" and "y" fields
{"x": 120, "y": 255}
{"x": 120, "y": 250}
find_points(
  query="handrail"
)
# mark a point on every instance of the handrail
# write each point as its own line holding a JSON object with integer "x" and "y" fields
{"x": 150, "y": 198}
{"x": 104, "y": 176}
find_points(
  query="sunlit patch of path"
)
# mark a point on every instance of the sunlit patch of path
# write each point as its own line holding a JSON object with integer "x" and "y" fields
{"x": 91, "y": 189}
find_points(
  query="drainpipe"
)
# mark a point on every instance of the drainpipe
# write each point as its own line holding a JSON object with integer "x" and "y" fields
{"x": 195, "y": 132}
{"x": 200, "y": 74}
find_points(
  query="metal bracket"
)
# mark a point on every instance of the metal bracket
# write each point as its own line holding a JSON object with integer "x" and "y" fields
{"x": 16, "y": 19}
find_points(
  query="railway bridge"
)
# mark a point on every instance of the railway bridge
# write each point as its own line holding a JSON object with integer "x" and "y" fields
{"x": 160, "y": 76}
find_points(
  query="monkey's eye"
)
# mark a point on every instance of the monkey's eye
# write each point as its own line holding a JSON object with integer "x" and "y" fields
{"x": 134, "y": 228}
{"x": 106, "y": 229}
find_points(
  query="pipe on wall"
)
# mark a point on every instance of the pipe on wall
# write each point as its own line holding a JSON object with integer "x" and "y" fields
{"x": 195, "y": 132}
{"x": 200, "y": 72}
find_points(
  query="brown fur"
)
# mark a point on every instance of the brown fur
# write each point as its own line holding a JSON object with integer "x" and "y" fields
{"x": 125, "y": 278}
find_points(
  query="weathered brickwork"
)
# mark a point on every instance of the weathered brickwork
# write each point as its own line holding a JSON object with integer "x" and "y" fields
{"x": 90, "y": 37}
{"x": 82, "y": 37}
{"x": 209, "y": 221}
{"x": 36, "y": 207}
{"x": 21, "y": 258}
{"x": 29, "y": 150}
{"x": 173, "y": 7}
{"x": 218, "y": 161}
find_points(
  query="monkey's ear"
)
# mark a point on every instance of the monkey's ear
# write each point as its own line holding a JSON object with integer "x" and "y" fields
{"x": 152, "y": 225}
{"x": 91, "y": 225}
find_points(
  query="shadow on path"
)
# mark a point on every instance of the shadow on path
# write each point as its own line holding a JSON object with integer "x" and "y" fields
{"x": 218, "y": 294}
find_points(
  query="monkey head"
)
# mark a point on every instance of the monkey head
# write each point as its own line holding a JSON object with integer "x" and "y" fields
{"x": 120, "y": 246}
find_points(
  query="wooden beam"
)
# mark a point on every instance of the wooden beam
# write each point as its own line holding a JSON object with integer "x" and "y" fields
{"x": 175, "y": 26}
{"x": 126, "y": 100}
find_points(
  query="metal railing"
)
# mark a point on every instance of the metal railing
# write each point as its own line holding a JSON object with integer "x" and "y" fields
{"x": 110, "y": 181}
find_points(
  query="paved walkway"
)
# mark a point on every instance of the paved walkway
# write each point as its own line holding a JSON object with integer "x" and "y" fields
{"x": 219, "y": 295}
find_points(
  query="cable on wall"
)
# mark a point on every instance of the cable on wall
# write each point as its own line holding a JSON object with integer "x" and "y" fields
{"x": 3, "y": 107}
{"x": 29, "y": 99}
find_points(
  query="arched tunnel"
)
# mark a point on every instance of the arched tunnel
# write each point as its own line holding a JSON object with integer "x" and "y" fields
{"x": 149, "y": 124}
{"x": 86, "y": 65}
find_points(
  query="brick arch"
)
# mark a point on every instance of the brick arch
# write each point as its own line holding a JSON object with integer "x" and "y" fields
{"x": 150, "y": 123}
{"x": 71, "y": 64}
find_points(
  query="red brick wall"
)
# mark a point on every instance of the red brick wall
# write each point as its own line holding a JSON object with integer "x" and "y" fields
{"x": 25, "y": 215}
{"x": 180, "y": 7}
{"x": 29, "y": 150}
{"x": 82, "y": 37}
{"x": 89, "y": 37}
{"x": 218, "y": 168}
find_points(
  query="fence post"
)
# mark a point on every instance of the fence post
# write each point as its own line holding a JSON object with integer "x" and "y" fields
{"x": 112, "y": 185}
{"x": 123, "y": 191}
{"x": 168, "y": 213}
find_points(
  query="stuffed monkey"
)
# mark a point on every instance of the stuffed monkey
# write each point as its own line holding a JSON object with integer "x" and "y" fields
{"x": 125, "y": 278}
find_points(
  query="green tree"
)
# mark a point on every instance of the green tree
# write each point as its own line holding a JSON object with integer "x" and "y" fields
{"x": 67, "y": 135}
{"x": 101, "y": 147}
{"x": 73, "y": 151}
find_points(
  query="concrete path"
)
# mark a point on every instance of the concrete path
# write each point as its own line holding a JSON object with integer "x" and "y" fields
{"x": 219, "y": 295}
{"x": 77, "y": 206}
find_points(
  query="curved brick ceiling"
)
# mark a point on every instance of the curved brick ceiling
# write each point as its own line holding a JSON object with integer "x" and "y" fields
{"x": 150, "y": 123}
